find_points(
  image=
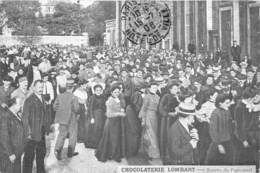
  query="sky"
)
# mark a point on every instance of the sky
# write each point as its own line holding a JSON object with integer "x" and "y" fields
{"x": 85, "y": 3}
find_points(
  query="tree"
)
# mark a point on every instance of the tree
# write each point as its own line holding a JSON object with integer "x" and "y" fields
{"x": 98, "y": 13}
{"x": 22, "y": 19}
{"x": 71, "y": 19}
{"x": 3, "y": 19}
{"x": 66, "y": 20}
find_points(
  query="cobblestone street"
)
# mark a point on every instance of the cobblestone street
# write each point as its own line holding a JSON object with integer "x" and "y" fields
{"x": 85, "y": 161}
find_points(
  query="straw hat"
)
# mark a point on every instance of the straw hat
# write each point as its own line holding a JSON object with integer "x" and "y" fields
{"x": 186, "y": 109}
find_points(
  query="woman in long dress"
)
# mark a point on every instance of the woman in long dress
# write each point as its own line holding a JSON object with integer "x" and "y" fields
{"x": 167, "y": 106}
{"x": 82, "y": 95}
{"x": 148, "y": 115}
{"x": 220, "y": 151}
{"x": 133, "y": 123}
{"x": 96, "y": 117}
{"x": 111, "y": 146}
{"x": 48, "y": 94}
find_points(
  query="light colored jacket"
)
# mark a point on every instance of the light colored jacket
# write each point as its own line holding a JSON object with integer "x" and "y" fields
{"x": 66, "y": 106}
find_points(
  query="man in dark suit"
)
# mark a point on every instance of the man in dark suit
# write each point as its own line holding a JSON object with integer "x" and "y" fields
{"x": 188, "y": 72}
{"x": 182, "y": 142}
{"x": 11, "y": 137}
{"x": 3, "y": 68}
{"x": 5, "y": 90}
{"x": 250, "y": 81}
{"x": 34, "y": 120}
{"x": 235, "y": 52}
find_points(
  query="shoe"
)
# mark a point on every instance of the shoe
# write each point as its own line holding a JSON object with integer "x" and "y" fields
{"x": 70, "y": 153}
{"x": 118, "y": 160}
{"x": 57, "y": 154}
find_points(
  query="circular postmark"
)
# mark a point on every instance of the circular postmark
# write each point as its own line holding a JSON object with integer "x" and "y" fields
{"x": 146, "y": 21}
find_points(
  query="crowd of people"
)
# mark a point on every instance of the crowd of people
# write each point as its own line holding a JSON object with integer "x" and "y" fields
{"x": 171, "y": 105}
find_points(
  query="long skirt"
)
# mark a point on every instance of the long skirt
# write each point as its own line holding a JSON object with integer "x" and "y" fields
{"x": 48, "y": 118}
{"x": 7, "y": 167}
{"x": 165, "y": 124}
{"x": 81, "y": 124}
{"x": 249, "y": 155}
{"x": 94, "y": 131}
{"x": 204, "y": 142}
{"x": 112, "y": 144}
{"x": 133, "y": 132}
{"x": 149, "y": 139}
{"x": 214, "y": 157}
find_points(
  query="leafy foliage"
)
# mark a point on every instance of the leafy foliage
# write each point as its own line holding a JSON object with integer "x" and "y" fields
{"x": 97, "y": 14}
{"x": 65, "y": 21}
{"x": 68, "y": 19}
{"x": 22, "y": 19}
{"x": 22, "y": 16}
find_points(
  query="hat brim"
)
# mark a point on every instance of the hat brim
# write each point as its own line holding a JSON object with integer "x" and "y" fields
{"x": 71, "y": 85}
{"x": 185, "y": 113}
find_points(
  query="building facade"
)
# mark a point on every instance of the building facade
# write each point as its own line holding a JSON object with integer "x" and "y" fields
{"x": 48, "y": 6}
{"x": 109, "y": 37}
{"x": 209, "y": 25}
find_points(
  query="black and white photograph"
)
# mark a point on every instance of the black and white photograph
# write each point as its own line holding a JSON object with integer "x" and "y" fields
{"x": 129, "y": 86}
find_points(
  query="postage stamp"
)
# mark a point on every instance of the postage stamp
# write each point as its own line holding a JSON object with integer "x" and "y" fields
{"x": 146, "y": 21}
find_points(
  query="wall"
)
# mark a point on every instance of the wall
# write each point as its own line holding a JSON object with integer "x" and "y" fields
{"x": 62, "y": 40}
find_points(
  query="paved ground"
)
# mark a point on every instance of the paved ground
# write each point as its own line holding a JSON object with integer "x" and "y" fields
{"x": 85, "y": 161}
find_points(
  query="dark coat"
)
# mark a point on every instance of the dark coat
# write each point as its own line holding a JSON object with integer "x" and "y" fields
{"x": 112, "y": 143}
{"x": 249, "y": 84}
{"x": 247, "y": 129}
{"x": 220, "y": 126}
{"x": 29, "y": 75}
{"x": 167, "y": 104}
{"x": 96, "y": 109}
{"x": 180, "y": 149}
{"x": 162, "y": 92}
{"x": 244, "y": 121}
{"x": 3, "y": 69}
{"x": 220, "y": 133}
{"x": 11, "y": 135}
{"x": 34, "y": 117}
{"x": 5, "y": 95}
{"x": 235, "y": 52}
{"x": 128, "y": 89}
{"x": 133, "y": 124}
{"x": 201, "y": 96}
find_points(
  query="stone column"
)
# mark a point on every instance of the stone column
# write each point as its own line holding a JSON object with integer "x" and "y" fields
{"x": 209, "y": 20}
{"x": 171, "y": 6}
{"x": 123, "y": 26}
{"x": 209, "y": 15}
{"x": 157, "y": 46}
{"x": 118, "y": 24}
{"x": 236, "y": 32}
{"x": 113, "y": 36}
{"x": 179, "y": 23}
{"x": 186, "y": 24}
{"x": 147, "y": 46}
{"x": 163, "y": 43}
{"x": 196, "y": 27}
